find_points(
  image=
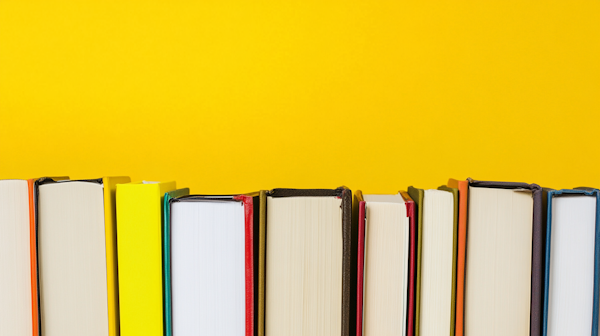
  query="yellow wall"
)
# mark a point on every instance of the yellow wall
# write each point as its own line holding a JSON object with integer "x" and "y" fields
{"x": 233, "y": 96}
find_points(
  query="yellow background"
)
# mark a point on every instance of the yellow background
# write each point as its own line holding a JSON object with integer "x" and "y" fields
{"x": 235, "y": 96}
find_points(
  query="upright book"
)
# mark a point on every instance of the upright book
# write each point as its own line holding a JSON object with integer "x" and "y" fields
{"x": 504, "y": 271}
{"x": 75, "y": 223}
{"x": 386, "y": 264}
{"x": 139, "y": 230}
{"x": 308, "y": 262}
{"x": 18, "y": 283}
{"x": 463, "y": 192}
{"x": 436, "y": 260}
{"x": 210, "y": 264}
{"x": 572, "y": 260}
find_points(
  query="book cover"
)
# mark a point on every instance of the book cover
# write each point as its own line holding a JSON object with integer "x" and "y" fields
{"x": 463, "y": 188}
{"x": 417, "y": 196}
{"x": 139, "y": 243}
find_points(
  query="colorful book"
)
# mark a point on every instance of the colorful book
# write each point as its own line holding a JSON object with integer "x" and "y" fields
{"x": 504, "y": 270}
{"x": 76, "y": 256}
{"x": 139, "y": 231}
{"x": 210, "y": 264}
{"x": 436, "y": 260}
{"x": 386, "y": 264}
{"x": 572, "y": 260}
{"x": 308, "y": 262}
{"x": 463, "y": 192}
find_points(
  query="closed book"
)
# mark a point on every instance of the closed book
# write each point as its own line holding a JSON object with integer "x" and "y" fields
{"x": 210, "y": 264}
{"x": 436, "y": 260}
{"x": 572, "y": 257}
{"x": 139, "y": 243}
{"x": 504, "y": 269}
{"x": 75, "y": 223}
{"x": 386, "y": 264}
{"x": 463, "y": 199}
{"x": 308, "y": 262}
{"x": 18, "y": 282}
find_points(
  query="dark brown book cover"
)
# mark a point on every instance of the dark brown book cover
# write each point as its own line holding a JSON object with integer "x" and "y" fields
{"x": 537, "y": 253}
{"x": 346, "y": 196}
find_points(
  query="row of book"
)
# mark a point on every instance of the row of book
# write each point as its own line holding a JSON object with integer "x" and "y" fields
{"x": 110, "y": 257}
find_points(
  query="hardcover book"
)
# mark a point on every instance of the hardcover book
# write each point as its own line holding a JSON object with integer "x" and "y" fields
{"x": 308, "y": 262}
{"x": 436, "y": 260}
{"x": 386, "y": 264}
{"x": 76, "y": 256}
{"x": 18, "y": 283}
{"x": 572, "y": 259}
{"x": 210, "y": 264}
{"x": 139, "y": 231}
{"x": 504, "y": 270}
{"x": 463, "y": 190}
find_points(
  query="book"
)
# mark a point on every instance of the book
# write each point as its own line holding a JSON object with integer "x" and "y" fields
{"x": 210, "y": 263}
{"x": 260, "y": 251}
{"x": 75, "y": 245}
{"x": 139, "y": 243}
{"x": 572, "y": 257}
{"x": 386, "y": 264}
{"x": 504, "y": 270}
{"x": 308, "y": 261}
{"x": 463, "y": 199}
{"x": 18, "y": 300}
{"x": 436, "y": 260}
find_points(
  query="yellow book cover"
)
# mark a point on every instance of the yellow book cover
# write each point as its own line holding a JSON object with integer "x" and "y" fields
{"x": 139, "y": 223}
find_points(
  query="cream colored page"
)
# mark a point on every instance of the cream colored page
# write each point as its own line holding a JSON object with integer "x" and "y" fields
{"x": 15, "y": 280}
{"x": 385, "y": 269}
{"x": 304, "y": 266}
{"x": 498, "y": 269}
{"x": 436, "y": 263}
{"x": 72, "y": 259}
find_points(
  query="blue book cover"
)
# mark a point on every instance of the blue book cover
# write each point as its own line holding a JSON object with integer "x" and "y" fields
{"x": 167, "y": 257}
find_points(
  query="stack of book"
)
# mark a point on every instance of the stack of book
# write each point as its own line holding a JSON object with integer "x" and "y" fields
{"x": 112, "y": 257}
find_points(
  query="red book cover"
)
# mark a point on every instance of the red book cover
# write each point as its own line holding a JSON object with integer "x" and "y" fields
{"x": 412, "y": 263}
{"x": 249, "y": 259}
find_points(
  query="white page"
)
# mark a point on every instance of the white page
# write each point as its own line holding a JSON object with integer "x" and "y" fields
{"x": 208, "y": 268}
{"x": 436, "y": 263}
{"x": 72, "y": 259}
{"x": 15, "y": 277}
{"x": 572, "y": 265}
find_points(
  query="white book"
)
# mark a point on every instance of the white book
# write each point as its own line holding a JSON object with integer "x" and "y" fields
{"x": 385, "y": 272}
{"x": 572, "y": 232}
{"x": 208, "y": 267}
{"x": 15, "y": 259}
{"x": 72, "y": 259}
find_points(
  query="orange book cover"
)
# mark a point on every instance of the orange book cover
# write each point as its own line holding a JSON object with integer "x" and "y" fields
{"x": 463, "y": 189}
{"x": 33, "y": 256}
